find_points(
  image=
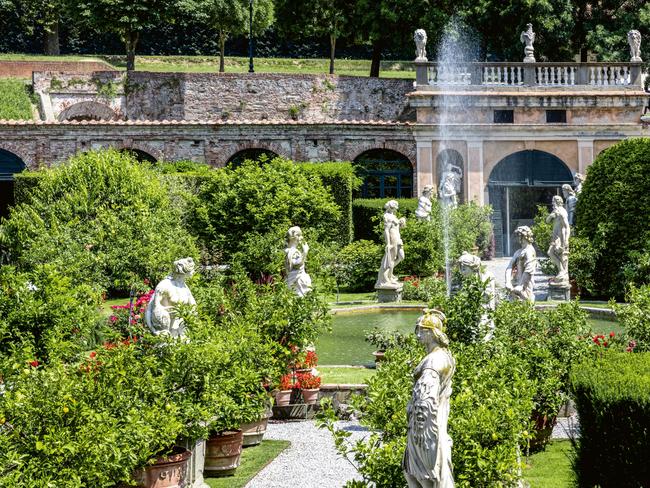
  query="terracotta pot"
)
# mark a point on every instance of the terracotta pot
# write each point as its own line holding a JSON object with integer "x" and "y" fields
{"x": 222, "y": 453}
{"x": 379, "y": 356}
{"x": 167, "y": 472}
{"x": 303, "y": 370}
{"x": 283, "y": 398}
{"x": 542, "y": 430}
{"x": 310, "y": 396}
{"x": 254, "y": 431}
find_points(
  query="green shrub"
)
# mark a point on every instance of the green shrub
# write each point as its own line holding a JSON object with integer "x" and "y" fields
{"x": 102, "y": 219}
{"x": 25, "y": 183}
{"x": 612, "y": 399}
{"x": 464, "y": 310}
{"x": 367, "y": 212}
{"x": 429, "y": 289}
{"x": 423, "y": 254}
{"x": 470, "y": 227}
{"x": 634, "y": 318}
{"x": 357, "y": 264}
{"x": 609, "y": 214}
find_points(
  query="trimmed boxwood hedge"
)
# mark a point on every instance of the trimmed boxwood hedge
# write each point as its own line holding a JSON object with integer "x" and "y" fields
{"x": 612, "y": 396}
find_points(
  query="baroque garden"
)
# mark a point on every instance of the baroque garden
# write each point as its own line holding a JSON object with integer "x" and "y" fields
{"x": 435, "y": 278}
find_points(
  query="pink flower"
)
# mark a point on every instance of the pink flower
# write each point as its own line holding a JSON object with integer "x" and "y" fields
{"x": 113, "y": 318}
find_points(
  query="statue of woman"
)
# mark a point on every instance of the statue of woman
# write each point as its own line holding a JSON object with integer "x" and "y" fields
{"x": 524, "y": 261}
{"x": 450, "y": 186}
{"x": 571, "y": 201}
{"x": 558, "y": 251}
{"x": 161, "y": 314}
{"x": 295, "y": 255}
{"x": 423, "y": 212}
{"x": 393, "y": 250}
{"x": 427, "y": 459}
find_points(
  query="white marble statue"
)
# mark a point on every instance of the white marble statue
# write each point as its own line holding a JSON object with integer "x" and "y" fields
{"x": 295, "y": 255}
{"x": 423, "y": 212}
{"x": 527, "y": 37}
{"x": 420, "y": 38}
{"x": 450, "y": 185}
{"x": 427, "y": 458}
{"x": 558, "y": 251}
{"x": 579, "y": 179}
{"x": 570, "y": 201}
{"x": 393, "y": 249}
{"x": 634, "y": 40}
{"x": 161, "y": 314}
{"x": 470, "y": 265}
{"x": 524, "y": 263}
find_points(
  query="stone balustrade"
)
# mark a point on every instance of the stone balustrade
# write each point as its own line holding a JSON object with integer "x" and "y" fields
{"x": 430, "y": 75}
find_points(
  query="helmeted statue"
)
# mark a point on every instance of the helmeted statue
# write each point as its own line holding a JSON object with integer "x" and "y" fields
{"x": 427, "y": 458}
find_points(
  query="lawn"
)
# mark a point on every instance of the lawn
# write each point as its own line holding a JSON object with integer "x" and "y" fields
{"x": 253, "y": 460}
{"x": 14, "y": 100}
{"x": 550, "y": 468}
{"x": 348, "y": 375}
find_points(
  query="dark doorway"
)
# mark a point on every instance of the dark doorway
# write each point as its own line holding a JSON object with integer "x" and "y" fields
{"x": 385, "y": 174}
{"x": 10, "y": 164}
{"x": 141, "y": 156}
{"x": 253, "y": 154}
{"x": 517, "y": 185}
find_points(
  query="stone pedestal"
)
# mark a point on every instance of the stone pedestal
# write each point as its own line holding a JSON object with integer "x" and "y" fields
{"x": 196, "y": 464}
{"x": 559, "y": 291}
{"x": 390, "y": 293}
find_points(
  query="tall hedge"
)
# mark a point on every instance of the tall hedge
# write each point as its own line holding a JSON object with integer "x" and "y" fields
{"x": 612, "y": 213}
{"x": 367, "y": 211}
{"x": 612, "y": 396}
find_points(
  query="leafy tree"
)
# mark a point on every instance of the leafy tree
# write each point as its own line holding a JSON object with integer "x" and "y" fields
{"x": 230, "y": 17}
{"x": 126, "y": 18}
{"x": 316, "y": 18}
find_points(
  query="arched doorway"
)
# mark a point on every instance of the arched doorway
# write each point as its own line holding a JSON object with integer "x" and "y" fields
{"x": 252, "y": 154}
{"x": 385, "y": 173}
{"x": 10, "y": 164}
{"x": 517, "y": 185}
{"x": 141, "y": 156}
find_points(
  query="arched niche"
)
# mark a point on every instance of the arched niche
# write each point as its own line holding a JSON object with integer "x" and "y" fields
{"x": 88, "y": 110}
{"x": 385, "y": 174}
{"x": 450, "y": 159}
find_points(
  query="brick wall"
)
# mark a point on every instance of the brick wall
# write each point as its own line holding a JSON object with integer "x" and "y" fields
{"x": 24, "y": 69}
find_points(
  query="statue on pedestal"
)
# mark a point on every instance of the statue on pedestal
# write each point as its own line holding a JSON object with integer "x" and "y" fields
{"x": 527, "y": 37}
{"x": 161, "y": 316}
{"x": 634, "y": 40}
{"x": 558, "y": 251}
{"x": 450, "y": 185}
{"x": 295, "y": 255}
{"x": 524, "y": 262}
{"x": 393, "y": 249}
{"x": 420, "y": 38}
{"x": 570, "y": 201}
{"x": 427, "y": 458}
{"x": 470, "y": 265}
{"x": 423, "y": 212}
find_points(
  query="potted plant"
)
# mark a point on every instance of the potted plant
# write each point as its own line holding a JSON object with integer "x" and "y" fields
{"x": 167, "y": 471}
{"x": 306, "y": 361}
{"x": 309, "y": 387}
{"x": 287, "y": 387}
{"x": 383, "y": 341}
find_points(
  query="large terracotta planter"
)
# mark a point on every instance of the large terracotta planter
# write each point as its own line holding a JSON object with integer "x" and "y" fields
{"x": 167, "y": 472}
{"x": 310, "y": 396}
{"x": 283, "y": 398}
{"x": 222, "y": 453}
{"x": 543, "y": 430}
{"x": 254, "y": 431}
{"x": 379, "y": 356}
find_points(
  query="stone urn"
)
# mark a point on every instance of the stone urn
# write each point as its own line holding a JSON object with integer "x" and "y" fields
{"x": 254, "y": 431}
{"x": 167, "y": 472}
{"x": 223, "y": 452}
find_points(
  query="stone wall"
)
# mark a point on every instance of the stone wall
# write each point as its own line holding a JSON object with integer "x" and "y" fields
{"x": 24, "y": 69}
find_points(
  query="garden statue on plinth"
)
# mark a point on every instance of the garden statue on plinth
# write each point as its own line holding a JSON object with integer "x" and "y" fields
{"x": 295, "y": 255}
{"x": 570, "y": 201}
{"x": 423, "y": 212}
{"x": 427, "y": 458}
{"x": 420, "y": 38}
{"x": 388, "y": 287}
{"x": 579, "y": 179}
{"x": 161, "y": 315}
{"x": 470, "y": 265}
{"x": 634, "y": 40}
{"x": 558, "y": 251}
{"x": 524, "y": 262}
{"x": 450, "y": 185}
{"x": 528, "y": 38}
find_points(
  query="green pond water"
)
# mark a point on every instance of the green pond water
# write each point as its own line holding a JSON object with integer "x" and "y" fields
{"x": 346, "y": 343}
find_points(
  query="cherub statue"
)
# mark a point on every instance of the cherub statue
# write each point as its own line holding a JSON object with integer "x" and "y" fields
{"x": 295, "y": 255}
{"x": 634, "y": 40}
{"x": 427, "y": 458}
{"x": 161, "y": 315}
{"x": 423, "y": 212}
{"x": 527, "y": 37}
{"x": 524, "y": 262}
{"x": 420, "y": 38}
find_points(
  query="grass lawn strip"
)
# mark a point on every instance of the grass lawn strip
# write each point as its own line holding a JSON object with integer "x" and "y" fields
{"x": 253, "y": 460}
{"x": 345, "y": 375}
{"x": 14, "y": 100}
{"x": 550, "y": 468}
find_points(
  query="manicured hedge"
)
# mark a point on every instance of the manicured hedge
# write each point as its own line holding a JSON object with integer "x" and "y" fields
{"x": 612, "y": 396}
{"x": 366, "y": 213}
{"x": 24, "y": 183}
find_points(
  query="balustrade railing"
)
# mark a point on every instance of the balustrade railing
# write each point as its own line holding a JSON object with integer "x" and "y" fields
{"x": 529, "y": 74}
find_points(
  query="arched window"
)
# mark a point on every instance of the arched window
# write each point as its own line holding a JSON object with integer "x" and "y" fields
{"x": 253, "y": 154}
{"x": 517, "y": 185}
{"x": 385, "y": 173}
{"x": 10, "y": 164}
{"x": 142, "y": 156}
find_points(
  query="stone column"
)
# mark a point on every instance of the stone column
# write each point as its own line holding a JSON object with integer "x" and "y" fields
{"x": 474, "y": 172}
{"x": 585, "y": 154}
{"x": 423, "y": 167}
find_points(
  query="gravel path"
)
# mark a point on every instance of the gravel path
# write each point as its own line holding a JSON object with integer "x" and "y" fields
{"x": 311, "y": 461}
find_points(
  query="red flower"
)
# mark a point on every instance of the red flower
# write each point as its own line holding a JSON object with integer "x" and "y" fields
{"x": 34, "y": 363}
{"x": 92, "y": 355}
{"x": 612, "y": 334}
